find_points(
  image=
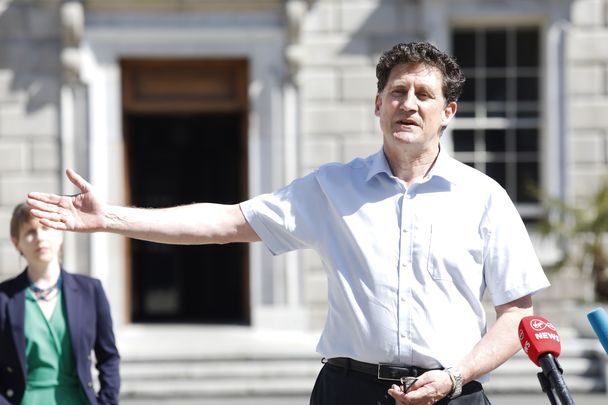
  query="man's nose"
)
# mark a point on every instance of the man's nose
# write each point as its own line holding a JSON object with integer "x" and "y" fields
{"x": 409, "y": 101}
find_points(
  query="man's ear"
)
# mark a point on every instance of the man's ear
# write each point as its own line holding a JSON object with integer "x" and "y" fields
{"x": 448, "y": 113}
{"x": 377, "y": 105}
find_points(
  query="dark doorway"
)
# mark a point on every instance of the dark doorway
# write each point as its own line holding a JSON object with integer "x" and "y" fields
{"x": 185, "y": 136}
{"x": 174, "y": 160}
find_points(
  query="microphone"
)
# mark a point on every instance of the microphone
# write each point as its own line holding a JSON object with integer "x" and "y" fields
{"x": 540, "y": 341}
{"x": 599, "y": 322}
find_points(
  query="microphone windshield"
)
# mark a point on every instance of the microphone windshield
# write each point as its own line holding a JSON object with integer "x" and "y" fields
{"x": 599, "y": 322}
{"x": 537, "y": 337}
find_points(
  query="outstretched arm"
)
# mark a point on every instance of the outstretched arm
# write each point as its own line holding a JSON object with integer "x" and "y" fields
{"x": 188, "y": 224}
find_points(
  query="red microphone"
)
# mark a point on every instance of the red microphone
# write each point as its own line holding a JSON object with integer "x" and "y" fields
{"x": 538, "y": 336}
{"x": 541, "y": 342}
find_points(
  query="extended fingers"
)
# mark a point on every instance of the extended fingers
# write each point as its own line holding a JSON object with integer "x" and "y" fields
{"x": 34, "y": 198}
{"x": 41, "y": 209}
{"x": 60, "y": 226}
{"x": 52, "y": 220}
{"x": 51, "y": 216}
{"x": 78, "y": 181}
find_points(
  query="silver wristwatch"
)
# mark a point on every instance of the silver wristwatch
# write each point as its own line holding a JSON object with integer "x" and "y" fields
{"x": 456, "y": 377}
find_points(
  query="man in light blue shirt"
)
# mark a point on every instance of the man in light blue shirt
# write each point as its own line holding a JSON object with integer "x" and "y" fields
{"x": 410, "y": 239}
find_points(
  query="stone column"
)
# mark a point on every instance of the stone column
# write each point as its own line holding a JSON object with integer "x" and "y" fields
{"x": 73, "y": 126}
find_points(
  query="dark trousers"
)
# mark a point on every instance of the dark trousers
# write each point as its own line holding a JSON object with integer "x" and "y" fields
{"x": 336, "y": 385}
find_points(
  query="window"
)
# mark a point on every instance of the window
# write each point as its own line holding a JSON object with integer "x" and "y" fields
{"x": 497, "y": 126}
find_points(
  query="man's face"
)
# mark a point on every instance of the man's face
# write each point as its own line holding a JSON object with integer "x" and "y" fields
{"x": 412, "y": 108}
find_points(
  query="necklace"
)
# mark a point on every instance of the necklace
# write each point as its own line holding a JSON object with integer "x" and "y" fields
{"x": 433, "y": 162}
{"x": 45, "y": 294}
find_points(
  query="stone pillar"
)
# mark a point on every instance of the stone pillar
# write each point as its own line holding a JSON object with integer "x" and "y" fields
{"x": 295, "y": 12}
{"x": 73, "y": 124}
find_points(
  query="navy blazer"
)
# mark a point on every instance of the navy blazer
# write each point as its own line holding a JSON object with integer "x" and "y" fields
{"x": 90, "y": 325}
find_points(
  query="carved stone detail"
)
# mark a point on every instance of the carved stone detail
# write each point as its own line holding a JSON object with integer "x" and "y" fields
{"x": 295, "y": 11}
{"x": 181, "y": 5}
{"x": 72, "y": 28}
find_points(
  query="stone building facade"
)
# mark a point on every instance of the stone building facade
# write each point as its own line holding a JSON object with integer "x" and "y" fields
{"x": 82, "y": 83}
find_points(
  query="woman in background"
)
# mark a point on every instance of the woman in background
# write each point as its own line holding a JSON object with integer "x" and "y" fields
{"x": 50, "y": 322}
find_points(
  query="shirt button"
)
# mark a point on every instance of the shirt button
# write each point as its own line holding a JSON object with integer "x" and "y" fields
{"x": 9, "y": 369}
{"x": 9, "y": 393}
{"x": 90, "y": 384}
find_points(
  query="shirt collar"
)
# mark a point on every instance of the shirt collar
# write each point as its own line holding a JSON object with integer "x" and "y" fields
{"x": 378, "y": 164}
{"x": 443, "y": 167}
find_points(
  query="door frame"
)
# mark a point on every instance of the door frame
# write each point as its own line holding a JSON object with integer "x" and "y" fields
{"x": 194, "y": 86}
{"x": 104, "y": 45}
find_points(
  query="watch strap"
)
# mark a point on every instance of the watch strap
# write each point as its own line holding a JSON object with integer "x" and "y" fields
{"x": 456, "y": 377}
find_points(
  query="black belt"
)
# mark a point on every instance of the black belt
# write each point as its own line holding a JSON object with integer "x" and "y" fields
{"x": 392, "y": 372}
{"x": 382, "y": 371}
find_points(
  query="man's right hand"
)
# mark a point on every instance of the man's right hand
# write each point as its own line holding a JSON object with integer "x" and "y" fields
{"x": 80, "y": 212}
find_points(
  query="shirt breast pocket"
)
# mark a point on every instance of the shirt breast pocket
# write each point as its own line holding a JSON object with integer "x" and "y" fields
{"x": 453, "y": 249}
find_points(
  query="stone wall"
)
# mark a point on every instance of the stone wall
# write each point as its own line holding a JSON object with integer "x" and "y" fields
{"x": 587, "y": 53}
{"x": 30, "y": 79}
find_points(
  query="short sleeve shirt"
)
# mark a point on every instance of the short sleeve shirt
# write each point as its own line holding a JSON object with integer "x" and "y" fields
{"x": 407, "y": 267}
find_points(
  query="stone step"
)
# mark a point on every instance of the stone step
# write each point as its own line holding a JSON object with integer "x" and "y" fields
{"x": 236, "y": 387}
{"x": 220, "y": 369}
{"x": 219, "y": 378}
{"x": 577, "y": 366}
{"x": 277, "y": 378}
{"x": 530, "y": 384}
{"x": 239, "y": 362}
{"x": 514, "y": 369}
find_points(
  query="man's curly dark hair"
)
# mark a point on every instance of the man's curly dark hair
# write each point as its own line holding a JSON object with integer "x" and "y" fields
{"x": 427, "y": 54}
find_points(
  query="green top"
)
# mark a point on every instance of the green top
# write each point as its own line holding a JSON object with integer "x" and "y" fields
{"x": 51, "y": 369}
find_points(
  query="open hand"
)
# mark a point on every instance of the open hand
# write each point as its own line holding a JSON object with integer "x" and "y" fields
{"x": 80, "y": 212}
